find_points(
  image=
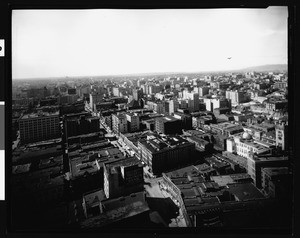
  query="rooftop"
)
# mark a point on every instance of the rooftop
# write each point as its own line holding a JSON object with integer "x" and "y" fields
{"x": 82, "y": 165}
{"x": 95, "y": 197}
{"x": 39, "y": 115}
{"x": 132, "y": 161}
{"x": 244, "y": 191}
{"x": 223, "y": 180}
{"x": 118, "y": 209}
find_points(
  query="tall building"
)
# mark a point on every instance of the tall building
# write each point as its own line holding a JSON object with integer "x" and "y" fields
{"x": 257, "y": 163}
{"x": 133, "y": 122}
{"x": 281, "y": 132}
{"x": 193, "y": 100}
{"x": 137, "y": 94}
{"x": 213, "y": 103}
{"x": 236, "y": 97}
{"x": 173, "y": 106}
{"x": 168, "y": 125}
{"x": 119, "y": 123}
{"x": 39, "y": 127}
{"x": 186, "y": 120}
{"x": 94, "y": 99}
{"x": 116, "y": 91}
{"x": 203, "y": 91}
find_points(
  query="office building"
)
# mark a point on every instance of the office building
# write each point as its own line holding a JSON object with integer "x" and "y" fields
{"x": 133, "y": 122}
{"x": 165, "y": 153}
{"x": 119, "y": 123}
{"x": 94, "y": 99}
{"x": 236, "y": 97}
{"x": 39, "y": 127}
{"x": 168, "y": 125}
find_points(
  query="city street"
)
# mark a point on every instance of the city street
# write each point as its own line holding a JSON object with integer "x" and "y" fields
{"x": 155, "y": 191}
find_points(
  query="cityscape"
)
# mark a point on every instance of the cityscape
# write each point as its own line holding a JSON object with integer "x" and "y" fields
{"x": 207, "y": 149}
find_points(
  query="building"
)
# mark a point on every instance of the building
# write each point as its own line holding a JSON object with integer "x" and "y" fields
{"x": 164, "y": 153}
{"x": 116, "y": 91}
{"x": 168, "y": 125}
{"x": 257, "y": 163}
{"x": 80, "y": 124}
{"x": 124, "y": 212}
{"x": 206, "y": 203}
{"x": 133, "y": 122}
{"x": 193, "y": 100}
{"x": 236, "y": 97}
{"x": 119, "y": 123}
{"x": 123, "y": 177}
{"x": 38, "y": 127}
{"x": 186, "y": 120}
{"x": 213, "y": 103}
{"x": 91, "y": 203}
{"x": 173, "y": 106}
{"x": 277, "y": 182}
{"x": 94, "y": 99}
{"x": 203, "y": 91}
{"x": 137, "y": 94}
{"x": 226, "y": 128}
{"x": 85, "y": 174}
{"x": 245, "y": 146}
{"x": 275, "y": 104}
{"x": 71, "y": 108}
{"x": 281, "y": 132}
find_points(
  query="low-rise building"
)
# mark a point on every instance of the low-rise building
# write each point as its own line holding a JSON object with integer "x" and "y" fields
{"x": 165, "y": 153}
{"x": 123, "y": 177}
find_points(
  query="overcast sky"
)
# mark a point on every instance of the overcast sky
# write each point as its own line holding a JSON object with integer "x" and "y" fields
{"x": 50, "y": 43}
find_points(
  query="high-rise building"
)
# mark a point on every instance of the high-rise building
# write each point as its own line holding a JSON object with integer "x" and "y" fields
{"x": 281, "y": 132}
{"x": 173, "y": 106}
{"x": 236, "y": 97}
{"x": 39, "y": 127}
{"x": 203, "y": 91}
{"x": 119, "y": 123}
{"x": 213, "y": 103}
{"x": 168, "y": 125}
{"x": 193, "y": 100}
{"x": 137, "y": 94}
{"x": 133, "y": 122}
{"x": 94, "y": 99}
{"x": 116, "y": 91}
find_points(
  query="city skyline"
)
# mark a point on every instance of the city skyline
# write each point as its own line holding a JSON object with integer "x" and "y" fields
{"x": 116, "y": 42}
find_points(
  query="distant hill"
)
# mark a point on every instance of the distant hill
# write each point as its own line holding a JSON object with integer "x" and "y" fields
{"x": 268, "y": 68}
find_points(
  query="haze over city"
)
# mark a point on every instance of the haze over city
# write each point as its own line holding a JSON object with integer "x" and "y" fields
{"x": 59, "y": 43}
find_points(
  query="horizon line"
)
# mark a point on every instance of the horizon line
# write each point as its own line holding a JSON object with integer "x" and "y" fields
{"x": 154, "y": 73}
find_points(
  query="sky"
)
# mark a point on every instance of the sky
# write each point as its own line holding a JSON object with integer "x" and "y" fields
{"x": 60, "y": 43}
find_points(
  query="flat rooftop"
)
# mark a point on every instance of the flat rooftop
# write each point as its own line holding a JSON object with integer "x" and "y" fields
{"x": 118, "y": 209}
{"x": 124, "y": 162}
{"x": 94, "y": 197}
{"x": 223, "y": 180}
{"x": 39, "y": 115}
{"x": 244, "y": 191}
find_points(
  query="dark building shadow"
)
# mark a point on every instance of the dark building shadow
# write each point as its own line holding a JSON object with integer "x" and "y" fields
{"x": 165, "y": 207}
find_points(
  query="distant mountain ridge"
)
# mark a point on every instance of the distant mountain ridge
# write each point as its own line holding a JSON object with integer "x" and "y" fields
{"x": 269, "y": 67}
{"x": 260, "y": 68}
